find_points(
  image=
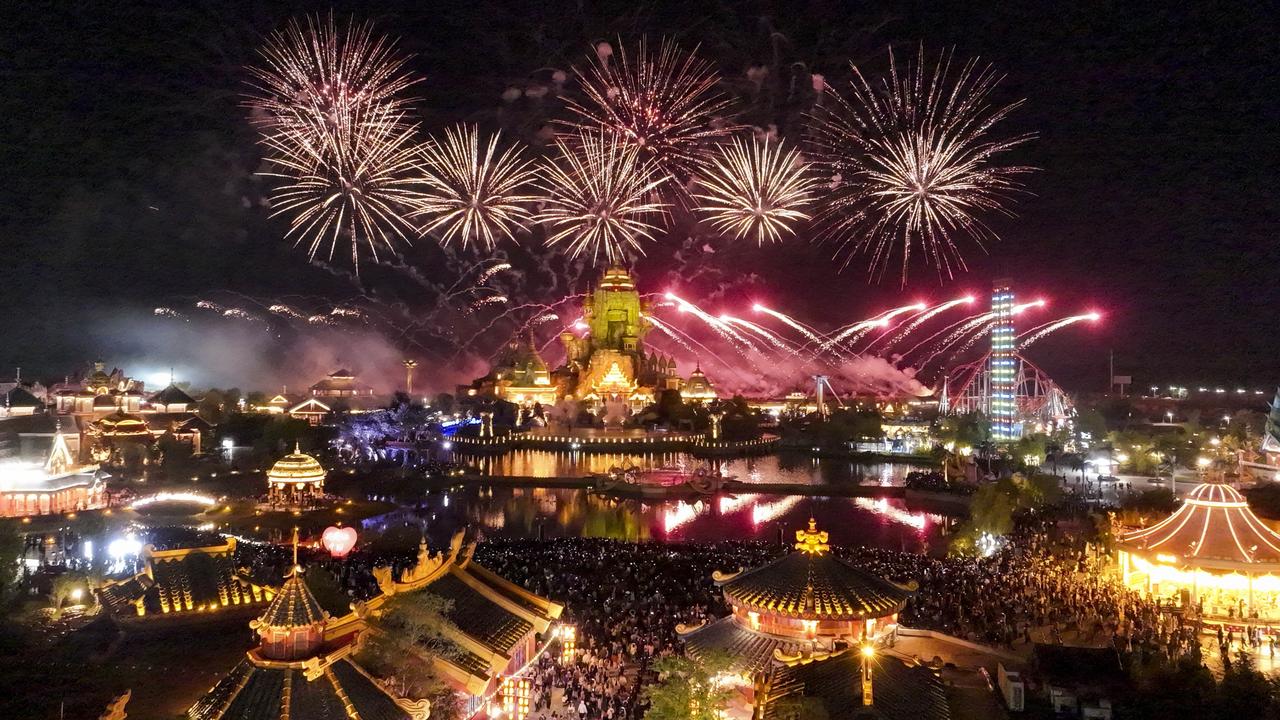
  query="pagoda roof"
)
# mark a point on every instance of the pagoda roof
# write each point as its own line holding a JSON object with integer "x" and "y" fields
{"x": 294, "y": 606}
{"x": 20, "y": 397}
{"x": 899, "y": 691}
{"x": 1213, "y": 528}
{"x": 182, "y": 581}
{"x": 811, "y": 583}
{"x": 264, "y": 690}
{"x": 751, "y": 651}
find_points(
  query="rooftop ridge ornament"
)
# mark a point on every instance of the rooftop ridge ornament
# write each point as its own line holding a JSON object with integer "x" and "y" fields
{"x": 812, "y": 541}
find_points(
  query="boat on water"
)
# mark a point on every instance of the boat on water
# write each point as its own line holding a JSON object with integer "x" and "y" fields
{"x": 664, "y": 482}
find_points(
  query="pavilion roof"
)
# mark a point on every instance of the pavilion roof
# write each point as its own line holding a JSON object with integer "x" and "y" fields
{"x": 900, "y": 691}
{"x": 266, "y": 691}
{"x": 294, "y": 606}
{"x": 811, "y": 583}
{"x": 1214, "y": 525}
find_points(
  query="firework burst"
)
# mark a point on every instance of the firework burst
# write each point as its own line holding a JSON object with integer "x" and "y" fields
{"x": 599, "y": 198}
{"x": 910, "y": 164}
{"x": 664, "y": 104}
{"x": 331, "y": 111}
{"x": 473, "y": 193}
{"x": 757, "y": 190}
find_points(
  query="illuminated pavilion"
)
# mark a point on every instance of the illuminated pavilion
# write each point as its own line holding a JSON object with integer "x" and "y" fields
{"x": 1213, "y": 555}
{"x": 808, "y": 624}
{"x": 60, "y": 485}
{"x": 301, "y": 669}
{"x": 296, "y": 479}
{"x": 305, "y": 665}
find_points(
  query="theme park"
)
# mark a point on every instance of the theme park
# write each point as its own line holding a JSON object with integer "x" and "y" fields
{"x": 638, "y": 361}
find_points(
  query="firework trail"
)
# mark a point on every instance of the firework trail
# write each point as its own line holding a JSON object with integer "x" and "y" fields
{"x": 975, "y": 318}
{"x": 473, "y": 195}
{"x": 330, "y": 109}
{"x": 1026, "y": 339}
{"x": 663, "y": 104}
{"x": 722, "y": 328}
{"x": 347, "y": 312}
{"x": 772, "y": 338}
{"x": 810, "y": 334}
{"x": 757, "y": 190}
{"x": 925, "y": 317}
{"x": 980, "y": 322}
{"x": 210, "y": 305}
{"x": 484, "y": 276}
{"x": 169, "y": 312}
{"x": 598, "y": 198}
{"x": 240, "y": 314}
{"x": 321, "y": 320}
{"x": 850, "y": 334}
{"x": 911, "y": 165}
{"x": 286, "y": 311}
{"x": 490, "y": 300}
{"x": 671, "y": 333}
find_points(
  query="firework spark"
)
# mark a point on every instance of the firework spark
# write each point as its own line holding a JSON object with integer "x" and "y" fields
{"x": 286, "y": 311}
{"x": 330, "y": 108}
{"x": 911, "y": 166}
{"x": 755, "y": 190}
{"x": 1028, "y": 338}
{"x": 809, "y": 333}
{"x": 664, "y": 104}
{"x": 598, "y": 198}
{"x": 474, "y": 194}
{"x": 926, "y": 316}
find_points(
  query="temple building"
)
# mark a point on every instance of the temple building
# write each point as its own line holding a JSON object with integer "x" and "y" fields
{"x": 340, "y": 391}
{"x": 301, "y": 669}
{"x": 609, "y": 371}
{"x": 1213, "y": 555}
{"x": 809, "y": 623}
{"x": 99, "y": 393}
{"x": 296, "y": 480}
{"x": 62, "y": 484}
{"x": 306, "y": 664}
{"x": 189, "y": 583}
{"x": 698, "y": 388}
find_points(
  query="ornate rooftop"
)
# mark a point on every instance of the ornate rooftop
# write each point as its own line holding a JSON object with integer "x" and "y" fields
{"x": 1213, "y": 528}
{"x": 812, "y": 584}
{"x": 296, "y": 467}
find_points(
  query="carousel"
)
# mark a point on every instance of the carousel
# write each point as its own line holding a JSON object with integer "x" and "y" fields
{"x": 1213, "y": 556}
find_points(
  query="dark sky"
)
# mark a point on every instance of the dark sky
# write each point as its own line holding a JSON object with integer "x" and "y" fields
{"x": 129, "y": 165}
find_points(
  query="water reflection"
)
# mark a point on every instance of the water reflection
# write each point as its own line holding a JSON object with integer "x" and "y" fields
{"x": 795, "y": 468}
{"x": 547, "y": 512}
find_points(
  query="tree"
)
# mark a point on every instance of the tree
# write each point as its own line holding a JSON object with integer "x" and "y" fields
{"x": 402, "y": 641}
{"x": 690, "y": 688}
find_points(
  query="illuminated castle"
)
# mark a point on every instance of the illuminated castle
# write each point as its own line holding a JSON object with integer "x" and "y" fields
{"x": 608, "y": 369}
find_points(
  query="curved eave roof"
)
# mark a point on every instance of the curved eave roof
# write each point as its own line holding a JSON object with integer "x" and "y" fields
{"x": 1214, "y": 528}
{"x": 294, "y": 606}
{"x": 815, "y": 586}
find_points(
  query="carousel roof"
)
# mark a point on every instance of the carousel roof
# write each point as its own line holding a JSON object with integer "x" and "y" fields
{"x": 296, "y": 467}
{"x": 1214, "y": 525}
{"x": 811, "y": 583}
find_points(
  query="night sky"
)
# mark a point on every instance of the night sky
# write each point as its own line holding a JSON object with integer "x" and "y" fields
{"x": 129, "y": 164}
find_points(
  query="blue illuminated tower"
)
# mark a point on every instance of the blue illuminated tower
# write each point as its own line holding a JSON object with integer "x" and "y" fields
{"x": 1002, "y": 403}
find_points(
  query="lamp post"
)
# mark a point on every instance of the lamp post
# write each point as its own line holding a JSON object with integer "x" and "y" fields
{"x": 409, "y": 365}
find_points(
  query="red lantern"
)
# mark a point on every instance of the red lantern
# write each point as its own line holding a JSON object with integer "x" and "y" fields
{"x": 338, "y": 541}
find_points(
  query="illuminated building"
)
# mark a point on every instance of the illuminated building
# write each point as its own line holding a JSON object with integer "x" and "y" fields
{"x": 808, "y": 624}
{"x": 608, "y": 370}
{"x": 1002, "y": 402}
{"x": 295, "y": 480}
{"x": 1213, "y": 555}
{"x": 18, "y": 401}
{"x": 301, "y": 668}
{"x": 306, "y": 656}
{"x": 61, "y": 484}
{"x": 99, "y": 393}
{"x": 698, "y": 388}
{"x": 340, "y": 391}
{"x": 188, "y": 583}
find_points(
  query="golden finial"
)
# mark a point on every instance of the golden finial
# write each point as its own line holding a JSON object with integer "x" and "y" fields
{"x": 813, "y": 540}
{"x": 295, "y": 548}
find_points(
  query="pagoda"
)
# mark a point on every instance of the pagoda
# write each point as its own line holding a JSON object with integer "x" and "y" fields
{"x": 1213, "y": 555}
{"x": 301, "y": 670}
{"x": 809, "y": 623}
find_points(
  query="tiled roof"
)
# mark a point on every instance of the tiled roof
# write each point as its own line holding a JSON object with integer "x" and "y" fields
{"x": 119, "y": 598}
{"x": 899, "y": 691}
{"x": 171, "y": 395}
{"x": 751, "y": 651}
{"x": 815, "y": 586}
{"x": 251, "y": 692}
{"x": 294, "y": 606}
{"x": 476, "y": 615}
{"x": 190, "y": 583}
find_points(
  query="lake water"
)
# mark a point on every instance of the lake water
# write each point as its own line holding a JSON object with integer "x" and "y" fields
{"x": 797, "y": 468}
{"x": 504, "y": 511}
